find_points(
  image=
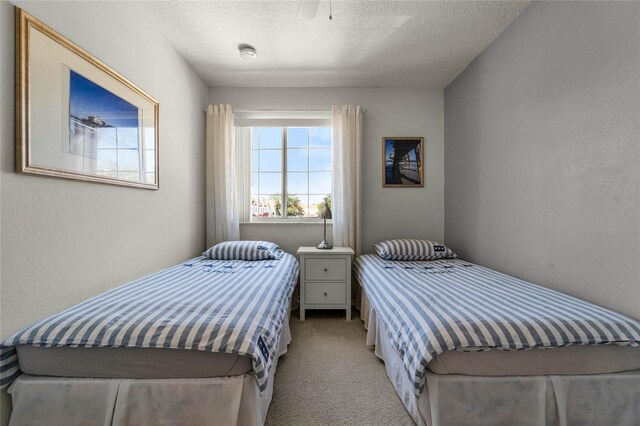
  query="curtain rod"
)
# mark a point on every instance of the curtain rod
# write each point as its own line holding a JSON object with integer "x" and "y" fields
{"x": 280, "y": 110}
{"x": 364, "y": 110}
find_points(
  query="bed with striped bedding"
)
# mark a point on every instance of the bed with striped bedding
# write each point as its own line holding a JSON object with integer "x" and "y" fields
{"x": 430, "y": 307}
{"x": 227, "y": 306}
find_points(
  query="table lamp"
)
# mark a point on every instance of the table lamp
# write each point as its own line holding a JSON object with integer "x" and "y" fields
{"x": 324, "y": 213}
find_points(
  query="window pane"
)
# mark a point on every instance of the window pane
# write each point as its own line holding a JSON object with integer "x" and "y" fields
{"x": 266, "y": 205}
{"x": 270, "y": 160}
{"x": 297, "y": 205}
{"x": 319, "y": 183}
{"x": 297, "y": 137}
{"x": 320, "y": 160}
{"x": 255, "y": 160}
{"x": 270, "y": 183}
{"x": 308, "y": 168}
{"x": 320, "y": 137}
{"x": 128, "y": 160}
{"x": 270, "y": 137}
{"x": 151, "y": 177}
{"x": 297, "y": 182}
{"x": 297, "y": 160}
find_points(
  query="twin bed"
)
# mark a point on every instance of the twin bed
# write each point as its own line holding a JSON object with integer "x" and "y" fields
{"x": 466, "y": 345}
{"x": 199, "y": 343}
{"x": 195, "y": 344}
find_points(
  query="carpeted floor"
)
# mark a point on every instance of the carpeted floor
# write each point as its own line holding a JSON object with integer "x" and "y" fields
{"x": 330, "y": 377}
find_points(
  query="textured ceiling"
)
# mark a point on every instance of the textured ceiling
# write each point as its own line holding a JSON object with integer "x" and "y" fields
{"x": 415, "y": 44}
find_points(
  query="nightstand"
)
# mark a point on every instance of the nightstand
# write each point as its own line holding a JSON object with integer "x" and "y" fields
{"x": 325, "y": 279}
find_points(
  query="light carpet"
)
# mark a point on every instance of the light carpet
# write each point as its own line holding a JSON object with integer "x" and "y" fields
{"x": 329, "y": 376}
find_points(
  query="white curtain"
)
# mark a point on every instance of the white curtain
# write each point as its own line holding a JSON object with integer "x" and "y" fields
{"x": 347, "y": 176}
{"x": 243, "y": 172}
{"x": 221, "y": 187}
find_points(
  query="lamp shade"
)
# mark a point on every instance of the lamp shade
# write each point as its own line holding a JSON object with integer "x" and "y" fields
{"x": 324, "y": 212}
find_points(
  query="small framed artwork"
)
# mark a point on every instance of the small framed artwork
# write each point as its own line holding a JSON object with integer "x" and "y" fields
{"x": 403, "y": 162}
{"x": 76, "y": 117}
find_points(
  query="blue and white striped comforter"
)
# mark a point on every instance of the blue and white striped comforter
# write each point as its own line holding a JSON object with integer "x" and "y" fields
{"x": 431, "y": 307}
{"x": 229, "y": 306}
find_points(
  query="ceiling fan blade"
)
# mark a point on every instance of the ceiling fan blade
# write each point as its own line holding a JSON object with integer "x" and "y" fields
{"x": 308, "y": 9}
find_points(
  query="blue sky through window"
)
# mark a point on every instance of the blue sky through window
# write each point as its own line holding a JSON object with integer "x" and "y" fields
{"x": 320, "y": 137}
{"x": 270, "y": 138}
{"x": 320, "y": 160}
{"x": 297, "y": 137}
{"x": 297, "y": 160}
{"x": 308, "y": 167}
{"x": 270, "y": 160}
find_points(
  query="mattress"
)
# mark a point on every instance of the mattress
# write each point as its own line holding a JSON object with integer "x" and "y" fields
{"x": 573, "y": 359}
{"x": 202, "y": 305}
{"x": 551, "y": 400}
{"x": 568, "y": 360}
{"x": 129, "y": 363}
{"x": 233, "y": 400}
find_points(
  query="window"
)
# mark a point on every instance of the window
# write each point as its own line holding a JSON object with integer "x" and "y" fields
{"x": 290, "y": 166}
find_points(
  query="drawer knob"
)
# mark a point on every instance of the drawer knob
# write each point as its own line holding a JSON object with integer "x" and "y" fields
{"x": 325, "y": 269}
{"x": 325, "y": 293}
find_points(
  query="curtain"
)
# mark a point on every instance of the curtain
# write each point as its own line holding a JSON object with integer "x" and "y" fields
{"x": 346, "y": 182}
{"x": 243, "y": 172}
{"x": 222, "y": 200}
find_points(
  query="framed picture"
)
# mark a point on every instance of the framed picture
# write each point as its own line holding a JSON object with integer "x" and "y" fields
{"x": 403, "y": 162}
{"x": 76, "y": 117}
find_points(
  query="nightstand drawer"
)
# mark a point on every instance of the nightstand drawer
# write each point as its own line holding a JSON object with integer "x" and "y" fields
{"x": 325, "y": 269}
{"x": 325, "y": 293}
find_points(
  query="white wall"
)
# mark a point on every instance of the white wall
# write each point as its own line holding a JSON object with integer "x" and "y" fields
{"x": 543, "y": 152}
{"x": 387, "y": 212}
{"x": 62, "y": 240}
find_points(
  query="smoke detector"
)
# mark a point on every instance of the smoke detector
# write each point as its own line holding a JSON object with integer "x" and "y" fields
{"x": 247, "y": 52}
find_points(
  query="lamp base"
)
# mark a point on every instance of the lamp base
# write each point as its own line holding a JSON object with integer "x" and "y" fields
{"x": 324, "y": 245}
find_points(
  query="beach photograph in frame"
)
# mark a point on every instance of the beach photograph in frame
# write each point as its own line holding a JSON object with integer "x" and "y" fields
{"x": 77, "y": 118}
{"x": 403, "y": 162}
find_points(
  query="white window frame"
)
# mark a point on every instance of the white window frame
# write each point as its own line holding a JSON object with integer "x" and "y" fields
{"x": 247, "y": 119}
{"x": 283, "y": 218}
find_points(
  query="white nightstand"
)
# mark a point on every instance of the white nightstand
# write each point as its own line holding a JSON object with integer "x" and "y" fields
{"x": 325, "y": 279}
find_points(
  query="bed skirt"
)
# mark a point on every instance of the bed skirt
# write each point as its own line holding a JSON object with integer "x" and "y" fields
{"x": 234, "y": 400}
{"x": 509, "y": 400}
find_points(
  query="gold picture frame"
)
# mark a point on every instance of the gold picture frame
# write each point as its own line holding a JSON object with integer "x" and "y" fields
{"x": 76, "y": 117}
{"x": 403, "y": 162}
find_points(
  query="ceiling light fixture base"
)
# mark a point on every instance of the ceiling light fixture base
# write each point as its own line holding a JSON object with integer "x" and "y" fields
{"x": 247, "y": 52}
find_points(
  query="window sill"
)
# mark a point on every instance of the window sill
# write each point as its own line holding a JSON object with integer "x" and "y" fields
{"x": 286, "y": 222}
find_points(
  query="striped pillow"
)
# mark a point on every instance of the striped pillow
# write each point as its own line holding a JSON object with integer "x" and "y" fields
{"x": 244, "y": 250}
{"x": 413, "y": 250}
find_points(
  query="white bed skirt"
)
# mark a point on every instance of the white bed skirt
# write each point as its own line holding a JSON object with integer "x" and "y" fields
{"x": 234, "y": 400}
{"x": 457, "y": 400}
